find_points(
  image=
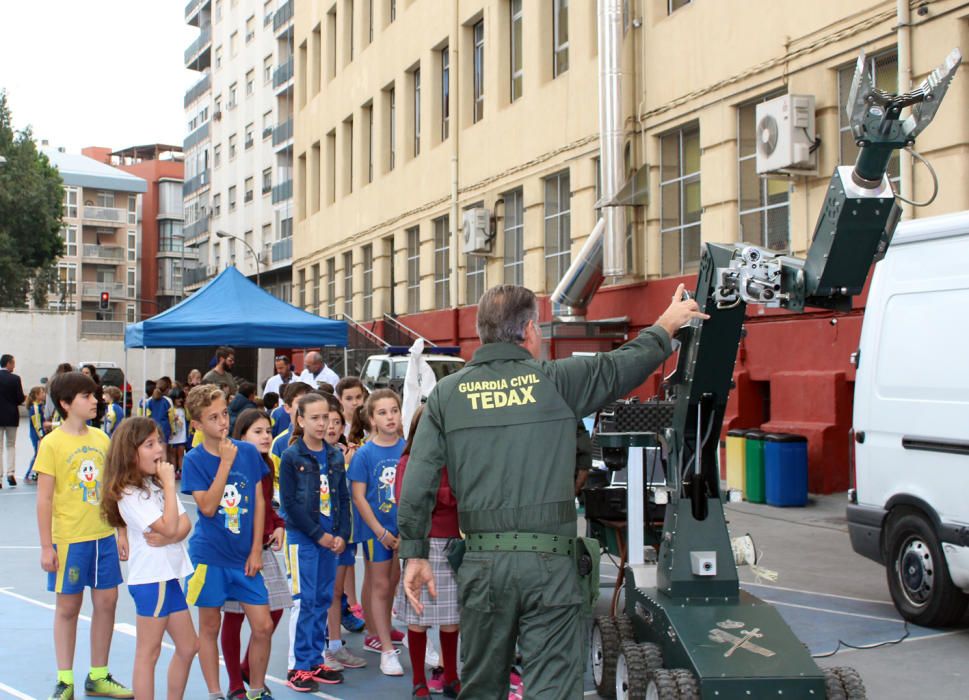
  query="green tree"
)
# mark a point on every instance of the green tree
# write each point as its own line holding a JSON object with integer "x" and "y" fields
{"x": 31, "y": 200}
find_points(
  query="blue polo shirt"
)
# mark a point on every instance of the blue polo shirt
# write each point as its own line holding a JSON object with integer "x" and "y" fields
{"x": 225, "y": 539}
{"x": 376, "y": 466}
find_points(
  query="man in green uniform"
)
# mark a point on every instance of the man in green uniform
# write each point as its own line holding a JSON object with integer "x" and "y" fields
{"x": 505, "y": 426}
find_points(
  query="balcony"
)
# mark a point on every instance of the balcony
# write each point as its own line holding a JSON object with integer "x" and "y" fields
{"x": 196, "y": 137}
{"x": 197, "y": 55}
{"x": 196, "y": 228}
{"x": 196, "y": 183}
{"x": 283, "y": 73}
{"x": 112, "y": 253}
{"x": 192, "y": 11}
{"x": 283, "y": 191}
{"x": 282, "y": 250}
{"x": 112, "y": 328}
{"x": 94, "y": 289}
{"x": 283, "y": 16}
{"x": 199, "y": 89}
{"x": 283, "y": 132}
{"x": 197, "y": 275}
{"x": 118, "y": 217}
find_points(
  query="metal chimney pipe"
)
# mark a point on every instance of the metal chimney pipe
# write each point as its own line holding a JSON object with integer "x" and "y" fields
{"x": 611, "y": 134}
{"x": 607, "y": 238}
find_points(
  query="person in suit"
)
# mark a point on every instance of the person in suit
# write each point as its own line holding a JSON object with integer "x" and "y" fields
{"x": 11, "y": 398}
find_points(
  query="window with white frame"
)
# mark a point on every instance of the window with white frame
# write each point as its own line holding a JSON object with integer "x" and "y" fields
{"x": 331, "y": 287}
{"x": 680, "y": 201}
{"x": 132, "y": 246}
{"x": 267, "y": 69}
{"x": 248, "y": 193}
{"x": 515, "y": 49}
{"x": 442, "y": 263}
{"x": 302, "y": 289}
{"x": 560, "y": 37}
{"x": 216, "y": 205}
{"x": 131, "y": 312}
{"x": 445, "y": 91}
{"x": 70, "y": 202}
{"x": 232, "y": 146}
{"x": 217, "y": 155}
{"x": 132, "y": 209}
{"x": 558, "y": 228}
{"x": 131, "y": 283}
{"x": 67, "y": 286}
{"x": 474, "y": 270}
{"x": 250, "y": 135}
{"x": 367, "y": 282}
{"x": 883, "y": 70}
{"x": 392, "y": 128}
{"x": 69, "y": 234}
{"x": 233, "y": 91}
{"x": 413, "y": 269}
{"x": 348, "y": 284}
{"x": 105, "y": 199}
{"x": 250, "y": 82}
{"x": 514, "y": 237}
{"x": 763, "y": 202}
{"x": 478, "y": 65}
{"x": 232, "y": 199}
{"x": 267, "y": 180}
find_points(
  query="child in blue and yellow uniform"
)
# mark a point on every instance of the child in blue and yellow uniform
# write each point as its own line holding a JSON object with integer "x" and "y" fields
{"x": 35, "y": 415}
{"x": 78, "y": 549}
{"x": 313, "y": 490}
{"x": 161, "y": 409}
{"x": 372, "y": 474}
{"x": 223, "y": 476}
{"x": 113, "y": 413}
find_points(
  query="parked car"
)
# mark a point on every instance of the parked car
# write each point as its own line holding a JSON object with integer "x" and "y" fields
{"x": 111, "y": 375}
{"x": 388, "y": 370}
{"x": 908, "y": 508}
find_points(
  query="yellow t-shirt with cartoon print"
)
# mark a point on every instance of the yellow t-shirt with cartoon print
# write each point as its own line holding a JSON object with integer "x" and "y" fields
{"x": 77, "y": 464}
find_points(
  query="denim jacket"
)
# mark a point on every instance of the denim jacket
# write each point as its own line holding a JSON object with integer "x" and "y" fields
{"x": 299, "y": 491}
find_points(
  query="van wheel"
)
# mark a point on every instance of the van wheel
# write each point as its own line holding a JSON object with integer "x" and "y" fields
{"x": 918, "y": 577}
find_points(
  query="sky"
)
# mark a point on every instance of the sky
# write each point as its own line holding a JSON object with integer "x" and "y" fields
{"x": 97, "y": 72}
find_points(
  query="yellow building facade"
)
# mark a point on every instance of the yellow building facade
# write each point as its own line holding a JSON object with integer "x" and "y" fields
{"x": 410, "y": 112}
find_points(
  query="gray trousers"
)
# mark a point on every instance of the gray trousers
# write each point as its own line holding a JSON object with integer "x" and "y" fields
{"x": 524, "y": 597}
{"x": 9, "y": 436}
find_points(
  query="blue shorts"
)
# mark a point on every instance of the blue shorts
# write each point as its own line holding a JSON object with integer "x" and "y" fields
{"x": 210, "y": 586}
{"x": 375, "y": 552}
{"x": 349, "y": 556}
{"x": 90, "y": 564}
{"x": 158, "y": 599}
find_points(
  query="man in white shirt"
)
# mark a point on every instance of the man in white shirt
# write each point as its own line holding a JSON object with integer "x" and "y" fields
{"x": 316, "y": 371}
{"x": 284, "y": 375}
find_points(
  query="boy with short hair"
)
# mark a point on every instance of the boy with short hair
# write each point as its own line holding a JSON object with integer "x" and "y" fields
{"x": 223, "y": 476}
{"x": 78, "y": 549}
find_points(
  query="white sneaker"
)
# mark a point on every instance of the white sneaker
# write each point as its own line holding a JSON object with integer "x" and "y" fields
{"x": 431, "y": 658}
{"x": 389, "y": 665}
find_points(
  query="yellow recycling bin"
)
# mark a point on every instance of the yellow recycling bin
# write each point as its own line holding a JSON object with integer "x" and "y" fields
{"x": 736, "y": 459}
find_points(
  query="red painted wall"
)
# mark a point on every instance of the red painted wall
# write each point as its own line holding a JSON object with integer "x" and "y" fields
{"x": 792, "y": 372}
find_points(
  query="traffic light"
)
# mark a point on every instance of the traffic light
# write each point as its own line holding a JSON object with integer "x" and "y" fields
{"x": 105, "y": 302}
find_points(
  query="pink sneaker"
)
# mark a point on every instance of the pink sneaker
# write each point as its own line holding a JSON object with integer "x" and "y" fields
{"x": 356, "y": 611}
{"x": 436, "y": 682}
{"x": 516, "y": 688}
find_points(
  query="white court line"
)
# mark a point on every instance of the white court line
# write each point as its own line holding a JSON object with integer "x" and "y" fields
{"x": 19, "y": 546}
{"x": 16, "y": 693}
{"x": 835, "y": 612}
{"x": 130, "y": 630}
{"x": 827, "y": 595}
{"x": 15, "y": 493}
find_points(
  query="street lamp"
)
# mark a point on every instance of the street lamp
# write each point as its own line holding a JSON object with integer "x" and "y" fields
{"x": 226, "y": 234}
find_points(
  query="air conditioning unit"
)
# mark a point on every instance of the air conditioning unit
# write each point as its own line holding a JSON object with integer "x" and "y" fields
{"x": 785, "y": 135}
{"x": 217, "y": 115}
{"x": 477, "y": 231}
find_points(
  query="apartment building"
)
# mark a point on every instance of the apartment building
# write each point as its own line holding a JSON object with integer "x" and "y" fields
{"x": 101, "y": 230}
{"x": 163, "y": 257}
{"x": 411, "y": 112}
{"x": 237, "y": 201}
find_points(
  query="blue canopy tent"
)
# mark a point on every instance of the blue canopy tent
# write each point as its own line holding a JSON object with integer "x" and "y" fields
{"x": 232, "y": 310}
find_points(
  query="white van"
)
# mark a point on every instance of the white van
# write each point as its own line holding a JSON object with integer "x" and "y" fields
{"x": 910, "y": 506}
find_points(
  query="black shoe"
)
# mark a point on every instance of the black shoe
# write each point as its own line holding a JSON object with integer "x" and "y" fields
{"x": 324, "y": 674}
{"x": 12, "y": 480}
{"x": 302, "y": 681}
{"x": 452, "y": 690}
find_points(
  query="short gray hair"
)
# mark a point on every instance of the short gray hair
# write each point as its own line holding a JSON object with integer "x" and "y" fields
{"x": 503, "y": 313}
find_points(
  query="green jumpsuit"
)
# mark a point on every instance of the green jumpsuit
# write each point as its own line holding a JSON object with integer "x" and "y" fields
{"x": 505, "y": 426}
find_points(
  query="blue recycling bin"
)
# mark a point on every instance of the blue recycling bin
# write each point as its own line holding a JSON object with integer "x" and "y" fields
{"x": 785, "y": 469}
